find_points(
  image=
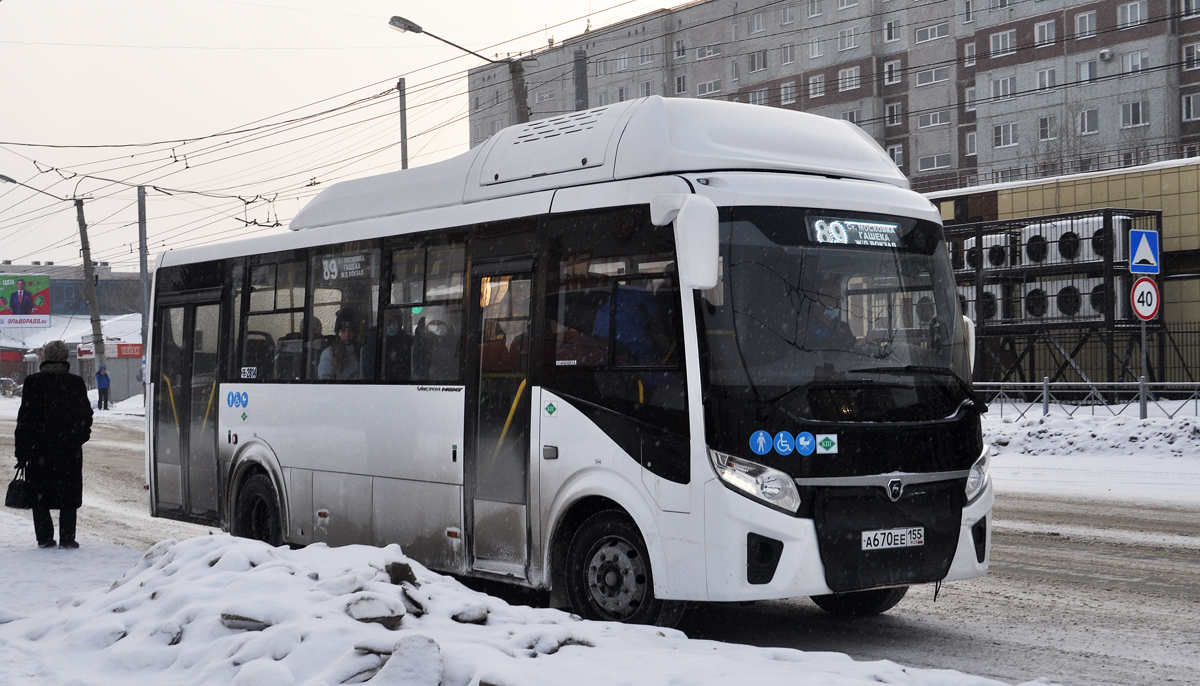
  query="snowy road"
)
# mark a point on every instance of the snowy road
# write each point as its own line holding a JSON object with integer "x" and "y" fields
{"x": 1082, "y": 590}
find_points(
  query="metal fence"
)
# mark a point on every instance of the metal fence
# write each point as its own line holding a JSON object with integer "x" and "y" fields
{"x": 1143, "y": 397}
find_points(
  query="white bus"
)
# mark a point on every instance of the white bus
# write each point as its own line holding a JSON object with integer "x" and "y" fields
{"x": 650, "y": 353}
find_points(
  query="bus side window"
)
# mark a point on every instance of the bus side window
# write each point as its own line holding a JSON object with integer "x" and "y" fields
{"x": 276, "y": 312}
{"x": 345, "y": 283}
{"x": 423, "y": 336}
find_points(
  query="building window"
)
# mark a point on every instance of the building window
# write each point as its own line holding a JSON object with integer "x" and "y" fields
{"x": 787, "y": 93}
{"x": 1088, "y": 71}
{"x": 601, "y": 67}
{"x": 1004, "y": 88}
{"x": 970, "y": 144}
{"x": 1007, "y": 175}
{"x": 968, "y": 54}
{"x": 894, "y": 114}
{"x": 847, "y": 4}
{"x": 1085, "y": 24}
{"x": 891, "y": 73}
{"x": 1189, "y": 8}
{"x": 1191, "y": 55}
{"x": 969, "y": 98}
{"x": 994, "y": 5}
{"x": 925, "y": 121}
{"x": 1004, "y": 43}
{"x": 622, "y": 94}
{"x": 737, "y": 69}
{"x": 896, "y": 152}
{"x": 968, "y": 11}
{"x": 1131, "y": 14}
{"x": 645, "y": 55}
{"x": 816, "y": 86}
{"x": 601, "y": 98}
{"x": 1048, "y": 128}
{"x": 851, "y": 116}
{"x": 1004, "y": 135}
{"x": 849, "y": 79}
{"x": 1133, "y": 62}
{"x": 545, "y": 96}
{"x": 708, "y": 87}
{"x": 1135, "y": 114}
{"x": 756, "y": 23}
{"x": 928, "y": 76}
{"x": 890, "y": 34}
{"x": 787, "y": 54}
{"x": 815, "y": 48}
{"x": 815, "y": 7}
{"x": 680, "y": 85}
{"x": 623, "y": 61}
{"x": 1191, "y": 107}
{"x": 647, "y": 88}
{"x": 1043, "y": 33}
{"x": 708, "y": 51}
{"x": 847, "y": 39}
{"x": 680, "y": 50}
{"x": 758, "y": 61}
{"x": 1089, "y": 121}
{"x": 758, "y": 97}
{"x": 1047, "y": 79}
{"x": 928, "y": 33}
{"x": 789, "y": 14}
{"x": 932, "y": 162}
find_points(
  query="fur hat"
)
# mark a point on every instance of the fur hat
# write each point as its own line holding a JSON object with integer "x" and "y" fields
{"x": 55, "y": 351}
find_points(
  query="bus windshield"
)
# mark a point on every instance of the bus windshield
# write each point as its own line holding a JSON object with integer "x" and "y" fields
{"x": 834, "y": 316}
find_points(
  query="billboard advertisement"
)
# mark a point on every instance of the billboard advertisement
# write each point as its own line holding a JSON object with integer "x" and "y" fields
{"x": 24, "y": 300}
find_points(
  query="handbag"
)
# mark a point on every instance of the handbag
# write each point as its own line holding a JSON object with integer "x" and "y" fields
{"x": 19, "y": 495}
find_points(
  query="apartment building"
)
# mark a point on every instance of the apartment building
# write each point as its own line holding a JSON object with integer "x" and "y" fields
{"x": 959, "y": 92}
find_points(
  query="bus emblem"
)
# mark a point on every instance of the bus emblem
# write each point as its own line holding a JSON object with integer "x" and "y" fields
{"x": 895, "y": 489}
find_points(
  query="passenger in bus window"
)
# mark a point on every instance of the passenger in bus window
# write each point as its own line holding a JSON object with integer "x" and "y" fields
{"x": 435, "y": 349}
{"x": 339, "y": 362}
{"x": 397, "y": 350}
{"x": 639, "y": 329}
{"x": 824, "y": 327}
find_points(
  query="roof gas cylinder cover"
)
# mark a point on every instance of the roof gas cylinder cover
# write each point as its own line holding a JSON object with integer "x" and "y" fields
{"x": 569, "y": 142}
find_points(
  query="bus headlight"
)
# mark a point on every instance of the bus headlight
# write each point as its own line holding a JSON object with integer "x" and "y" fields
{"x": 977, "y": 480}
{"x": 759, "y": 481}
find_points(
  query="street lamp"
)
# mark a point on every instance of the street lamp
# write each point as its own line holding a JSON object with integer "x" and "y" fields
{"x": 516, "y": 68}
{"x": 89, "y": 277}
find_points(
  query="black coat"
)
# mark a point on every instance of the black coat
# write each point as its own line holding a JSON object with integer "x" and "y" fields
{"x": 54, "y": 422}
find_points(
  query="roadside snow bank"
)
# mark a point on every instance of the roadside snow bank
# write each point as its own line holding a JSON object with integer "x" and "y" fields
{"x": 1059, "y": 434}
{"x": 219, "y": 610}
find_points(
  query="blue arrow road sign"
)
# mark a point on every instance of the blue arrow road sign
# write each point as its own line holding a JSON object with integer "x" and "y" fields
{"x": 1143, "y": 252}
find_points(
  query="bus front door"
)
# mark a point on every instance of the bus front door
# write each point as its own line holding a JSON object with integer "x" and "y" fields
{"x": 499, "y": 423}
{"x": 185, "y": 411}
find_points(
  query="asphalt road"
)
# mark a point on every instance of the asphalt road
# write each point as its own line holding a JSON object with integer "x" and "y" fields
{"x": 1079, "y": 592}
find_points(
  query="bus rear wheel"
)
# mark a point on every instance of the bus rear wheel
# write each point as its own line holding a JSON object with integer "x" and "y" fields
{"x": 608, "y": 574}
{"x": 861, "y": 603}
{"x": 256, "y": 515}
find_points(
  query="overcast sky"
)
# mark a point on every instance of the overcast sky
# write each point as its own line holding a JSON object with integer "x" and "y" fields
{"x": 172, "y": 74}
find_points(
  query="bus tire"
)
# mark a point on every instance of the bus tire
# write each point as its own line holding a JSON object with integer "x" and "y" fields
{"x": 608, "y": 575}
{"x": 861, "y": 603}
{"x": 256, "y": 515}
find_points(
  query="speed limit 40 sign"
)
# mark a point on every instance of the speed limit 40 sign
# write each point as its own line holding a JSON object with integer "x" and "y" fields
{"x": 1144, "y": 298}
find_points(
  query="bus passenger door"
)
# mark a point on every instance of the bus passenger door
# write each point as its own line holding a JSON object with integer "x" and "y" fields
{"x": 185, "y": 411}
{"x": 498, "y": 422}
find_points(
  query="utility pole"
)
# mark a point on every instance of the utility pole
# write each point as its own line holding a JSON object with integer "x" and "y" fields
{"x": 403, "y": 126}
{"x": 142, "y": 259}
{"x": 581, "y": 80}
{"x": 516, "y": 71}
{"x": 89, "y": 286}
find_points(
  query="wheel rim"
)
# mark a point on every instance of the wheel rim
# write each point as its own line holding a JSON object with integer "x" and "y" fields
{"x": 616, "y": 578}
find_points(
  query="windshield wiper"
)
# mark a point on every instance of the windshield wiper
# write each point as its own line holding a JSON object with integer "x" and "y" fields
{"x": 775, "y": 403}
{"x": 914, "y": 369}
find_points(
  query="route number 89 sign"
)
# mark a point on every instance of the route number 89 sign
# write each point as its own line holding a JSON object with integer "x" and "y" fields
{"x": 1144, "y": 298}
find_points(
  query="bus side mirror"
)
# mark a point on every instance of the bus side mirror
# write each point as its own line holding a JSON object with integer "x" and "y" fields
{"x": 969, "y": 327}
{"x": 697, "y": 236}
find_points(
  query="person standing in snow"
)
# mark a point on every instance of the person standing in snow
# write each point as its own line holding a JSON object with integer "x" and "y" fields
{"x": 54, "y": 422}
{"x": 102, "y": 382}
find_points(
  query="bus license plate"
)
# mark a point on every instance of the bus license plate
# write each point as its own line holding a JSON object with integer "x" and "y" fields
{"x": 893, "y": 538}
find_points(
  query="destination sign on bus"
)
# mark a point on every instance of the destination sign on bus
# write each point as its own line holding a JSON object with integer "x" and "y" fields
{"x": 853, "y": 232}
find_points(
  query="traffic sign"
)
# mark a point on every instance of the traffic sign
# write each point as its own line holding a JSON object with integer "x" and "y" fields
{"x": 1143, "y": 251}
{"x": 1144, "y": 298}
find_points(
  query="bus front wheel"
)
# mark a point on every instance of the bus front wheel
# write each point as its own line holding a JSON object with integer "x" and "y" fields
{"x": 257, "y": 513}
{"x": 861, "y": 603}
{"x": 609, "y": 577}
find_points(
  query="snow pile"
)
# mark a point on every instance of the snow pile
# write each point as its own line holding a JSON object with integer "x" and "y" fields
{"x": 1060, "y": 434}
{"x": 219, "y": 610}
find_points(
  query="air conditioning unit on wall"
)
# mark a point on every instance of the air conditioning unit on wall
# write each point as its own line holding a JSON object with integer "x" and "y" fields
{"x": 997, "y": 253}
{"x": 1072, "y": 241}
{"x": 990, "y": 309}
{"x": 1065, "y": 300}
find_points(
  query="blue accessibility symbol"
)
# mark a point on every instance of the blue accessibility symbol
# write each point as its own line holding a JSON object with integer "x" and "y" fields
{"x": 805, "y": 443}
{"x": 783, "y": 443}
{"x": 235, "y": 399}
{"x": 760, "y": 442}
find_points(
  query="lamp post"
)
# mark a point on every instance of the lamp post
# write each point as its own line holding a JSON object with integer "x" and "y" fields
{"x": 516, "y": 68}
{"x": 89, "y": 277}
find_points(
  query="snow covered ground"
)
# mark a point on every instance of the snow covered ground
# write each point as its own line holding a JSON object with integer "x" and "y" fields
{"x": 218, "y": 610}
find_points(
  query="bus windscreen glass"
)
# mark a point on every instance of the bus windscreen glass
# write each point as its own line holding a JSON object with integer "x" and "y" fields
{"x": 834, "y": 316}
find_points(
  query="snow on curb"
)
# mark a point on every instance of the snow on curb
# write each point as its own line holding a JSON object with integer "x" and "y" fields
{"x": 1059, "y": 434}
{"x": 221, "y": 610}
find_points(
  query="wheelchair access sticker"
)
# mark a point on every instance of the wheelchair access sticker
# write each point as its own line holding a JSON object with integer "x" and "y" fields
{"x": 234, "y": 399}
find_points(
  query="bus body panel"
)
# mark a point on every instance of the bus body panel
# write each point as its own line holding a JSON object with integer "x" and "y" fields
{"x": 966, "y": 564}
{"x": 731, "y": 188}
